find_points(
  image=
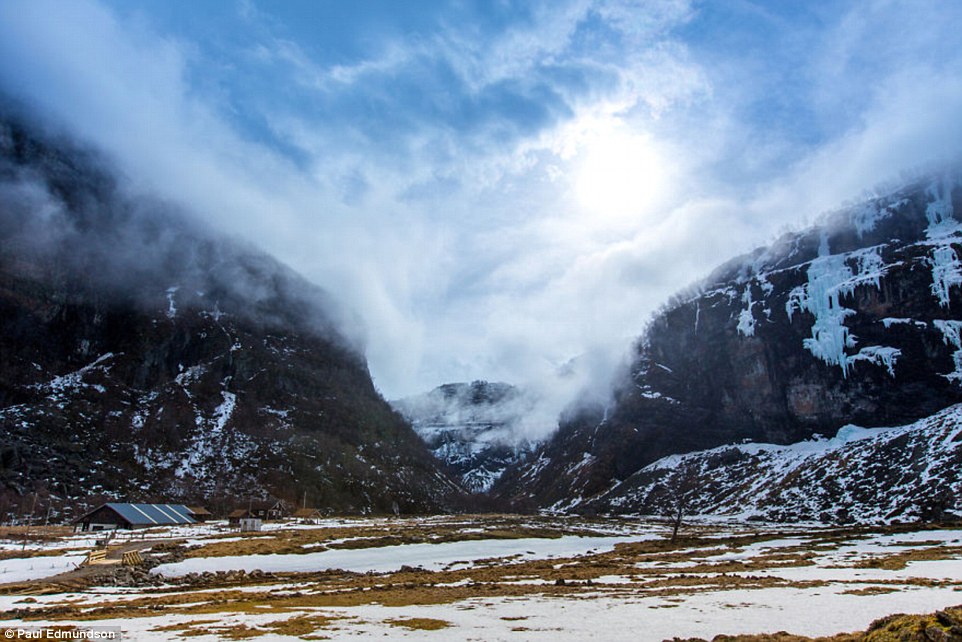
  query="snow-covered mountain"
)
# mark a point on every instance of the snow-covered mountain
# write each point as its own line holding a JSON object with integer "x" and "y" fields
{"x": 864, "y": 475}
{"x": 474, "y": 428}
{"x": 144, "y": 357}
{"x": 854, "y": 321}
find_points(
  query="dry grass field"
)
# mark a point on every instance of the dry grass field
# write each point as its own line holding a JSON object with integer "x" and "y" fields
{"x": 496, "y": 577}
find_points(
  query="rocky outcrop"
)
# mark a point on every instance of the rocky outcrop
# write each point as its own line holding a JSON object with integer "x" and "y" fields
{"x": 901, "y": 474}
{"x": 142, "y": 357}
{"x": 856, "y": 321}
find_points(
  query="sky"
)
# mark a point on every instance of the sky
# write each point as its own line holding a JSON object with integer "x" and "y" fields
{"x": 498, "y": 188}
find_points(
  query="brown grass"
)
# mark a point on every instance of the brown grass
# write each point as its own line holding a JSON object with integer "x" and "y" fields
{"x": 301, "y": 625}
{"x": 872, "y": 590}
{"x": 562, "y": 578}
{"x": 180, "y": 626}
{"x": 30, "y": 553}
{"x": 898, "y": 561}
{"x": 297, "y": 626}
{"x": 419, "y": 623}
{"x": 414, "y": 587}
{"x": 313, "y": 540}
{"x": 942, "y": 625}
{"x": 35, "y": 533}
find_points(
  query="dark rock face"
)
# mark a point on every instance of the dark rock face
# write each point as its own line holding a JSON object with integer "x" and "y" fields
{"x": 855, "y": 321}
{"x": 472, "y": 428}
{"x": 142, "y": 357}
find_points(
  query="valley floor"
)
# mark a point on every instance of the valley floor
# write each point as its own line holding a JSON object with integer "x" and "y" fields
{"x": 489, "y": 577}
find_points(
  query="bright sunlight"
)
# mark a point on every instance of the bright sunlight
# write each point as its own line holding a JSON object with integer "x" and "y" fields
{"x": 620, "y": 177}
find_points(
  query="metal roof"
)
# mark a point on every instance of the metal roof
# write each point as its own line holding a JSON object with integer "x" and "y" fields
{"x": 153, "y": 514}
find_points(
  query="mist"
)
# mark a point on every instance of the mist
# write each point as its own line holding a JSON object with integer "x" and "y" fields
{"x": 496, "y": 192}
{"x": 67, "y": 221}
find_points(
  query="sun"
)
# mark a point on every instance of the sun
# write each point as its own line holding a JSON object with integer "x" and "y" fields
{"x": 620, "y": 177}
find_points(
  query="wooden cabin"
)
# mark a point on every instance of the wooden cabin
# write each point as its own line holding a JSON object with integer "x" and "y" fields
{"x": 308, "y": 515}
{"x": 200, "y": 514}
{"x": 262, "y": 510}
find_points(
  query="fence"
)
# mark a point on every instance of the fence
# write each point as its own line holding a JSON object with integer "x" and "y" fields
{"x": 98, "y": 556}
{"x": 132, "y": 558}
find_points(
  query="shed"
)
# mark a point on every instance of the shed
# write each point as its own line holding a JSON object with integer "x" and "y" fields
{"x": 200, "y": 514}
{"x": 116, "y": 515}
{"x": 308, "y": 515}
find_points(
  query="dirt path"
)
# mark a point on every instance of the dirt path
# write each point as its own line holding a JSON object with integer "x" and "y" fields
{"x": 78, "y": 578}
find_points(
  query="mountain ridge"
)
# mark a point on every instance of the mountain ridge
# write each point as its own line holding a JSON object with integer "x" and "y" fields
{"x": 144, "y": 357}
{"x": 887, "y": 474}
{"x": 852, "y": 321}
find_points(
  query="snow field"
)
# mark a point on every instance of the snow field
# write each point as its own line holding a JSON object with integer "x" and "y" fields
{"x": 818, "y": 584}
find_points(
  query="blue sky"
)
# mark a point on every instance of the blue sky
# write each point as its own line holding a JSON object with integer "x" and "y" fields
{"x": 497, "y": 187}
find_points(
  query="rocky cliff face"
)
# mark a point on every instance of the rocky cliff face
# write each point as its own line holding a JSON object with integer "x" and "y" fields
{"x": 472, "y": 427}
{"x": 142, "y": 357}
{"x": 854, "y": 321}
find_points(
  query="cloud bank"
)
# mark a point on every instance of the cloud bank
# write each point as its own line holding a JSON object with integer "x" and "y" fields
{"x": 497, "y": 189}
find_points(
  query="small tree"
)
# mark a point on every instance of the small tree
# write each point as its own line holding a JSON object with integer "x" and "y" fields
{"x": 680, "y": 489}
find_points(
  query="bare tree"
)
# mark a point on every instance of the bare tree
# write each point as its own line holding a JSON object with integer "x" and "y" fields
{"x": 677, "y": 493}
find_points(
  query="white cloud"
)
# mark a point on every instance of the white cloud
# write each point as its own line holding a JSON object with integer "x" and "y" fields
{"x": 456, "y": 232}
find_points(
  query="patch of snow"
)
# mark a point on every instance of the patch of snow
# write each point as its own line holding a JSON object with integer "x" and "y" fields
{"x": 536, "y": 468}
{"x": 223, "y": 412}
{"x": 952, "y": 335}
{"x": 746, "y": 320}
{"x": 586, "y": 460}
{"x": 878, "y": 355}
{"x": 392, "y": 558}
{"x": 939, "y": 212}
{"x": 209, "y": 439}
{"x": 866, "y": 216}
{"x": 648, "y": 393}
{"x": 942, "y": 231}
{"x": 171, "y": 303}
{"x": 888, "y": 322}
{"x": 32, "y": 568}
{"x": 74, "y": 380}
{"x": 946, "y": 272}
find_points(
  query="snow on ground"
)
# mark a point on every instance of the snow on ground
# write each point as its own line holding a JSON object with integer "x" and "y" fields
{"x": 814, "y": 612}
{"x": 31, "y": 568}
{"x": 819, "y": 582}
{"x": 392, "y": 558}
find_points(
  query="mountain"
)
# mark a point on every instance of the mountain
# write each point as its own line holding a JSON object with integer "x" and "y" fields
{"x": 474, "y": 428}
{"x": 142, "y": 357}
{"x": 854, "y": 321}
{"x": 906, "y": 473}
